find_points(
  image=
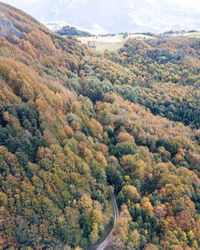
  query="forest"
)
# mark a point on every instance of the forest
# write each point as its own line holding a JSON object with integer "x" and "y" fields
{"x": 77, "y": 125}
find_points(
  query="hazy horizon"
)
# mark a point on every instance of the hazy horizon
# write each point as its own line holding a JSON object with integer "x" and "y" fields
{"x": 115, "y": 16}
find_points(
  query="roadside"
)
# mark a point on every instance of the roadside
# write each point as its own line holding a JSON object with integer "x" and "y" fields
{"x": 103, "y": 245}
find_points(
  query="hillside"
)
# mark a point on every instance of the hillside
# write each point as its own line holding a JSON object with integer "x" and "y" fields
{"x": 76, "y": 125}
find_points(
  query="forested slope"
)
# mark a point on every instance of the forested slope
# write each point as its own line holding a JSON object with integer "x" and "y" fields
{"x": 73, "y": 123}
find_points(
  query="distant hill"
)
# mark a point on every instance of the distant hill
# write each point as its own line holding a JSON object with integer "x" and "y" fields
{"x": 115, "y": 16}
{"x": 72, "y": 31}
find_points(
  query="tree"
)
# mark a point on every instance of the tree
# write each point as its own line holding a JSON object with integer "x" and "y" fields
{"x": 85, "y": 204}
{"x": 146, "y": 205}
{"x": 128, "y": 194}
{"x": 105, "y": 117}
{"x": 160, "y": 210}
{"x": 124, "y": 148}
{"x": 94, "y": 236}
{"x": 132, "y": 164}
{"x": 3, "y": 199}
{"x": 124, "y": 136}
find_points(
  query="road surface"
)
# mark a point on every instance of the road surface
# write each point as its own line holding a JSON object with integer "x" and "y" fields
{"x": 104, "y": 244}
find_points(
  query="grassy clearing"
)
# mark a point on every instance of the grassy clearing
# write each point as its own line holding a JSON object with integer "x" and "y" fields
{"x": 111, "y": 43}
{"x": 101, "y": 47}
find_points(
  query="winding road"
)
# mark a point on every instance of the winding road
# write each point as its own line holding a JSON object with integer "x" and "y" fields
{"x": 104, "y": 244}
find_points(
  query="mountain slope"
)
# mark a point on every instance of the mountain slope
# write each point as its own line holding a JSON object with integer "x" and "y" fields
{"x": 72, "y": 130}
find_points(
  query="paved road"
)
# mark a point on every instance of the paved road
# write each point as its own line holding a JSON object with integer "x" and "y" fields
{"x": 104, "y": 244}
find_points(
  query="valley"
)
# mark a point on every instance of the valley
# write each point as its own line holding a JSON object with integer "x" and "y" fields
{"x": 85, "y": 130}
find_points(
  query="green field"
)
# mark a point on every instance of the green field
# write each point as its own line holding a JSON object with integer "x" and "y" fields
{"x": 111, "y": 43}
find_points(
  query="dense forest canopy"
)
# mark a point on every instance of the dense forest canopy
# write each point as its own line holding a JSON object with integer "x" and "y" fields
{"x": 76, "y": 125}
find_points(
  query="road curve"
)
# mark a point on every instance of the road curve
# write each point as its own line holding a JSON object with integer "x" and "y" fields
{"x": 104, "y": 244}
